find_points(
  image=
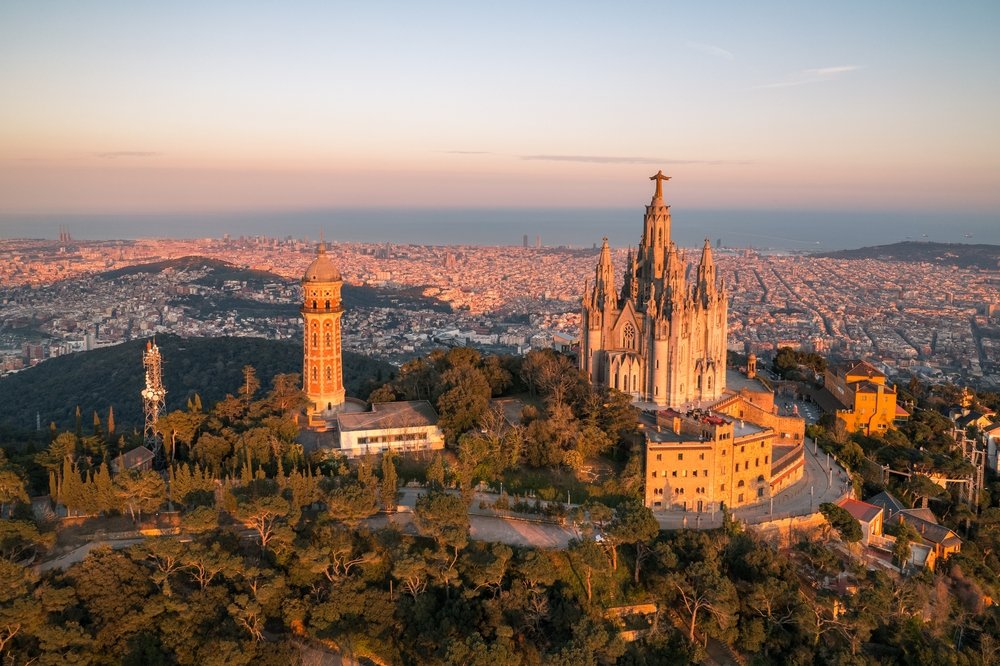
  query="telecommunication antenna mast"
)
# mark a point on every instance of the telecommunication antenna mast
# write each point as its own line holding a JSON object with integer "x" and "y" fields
{"x": 153, "y": 396}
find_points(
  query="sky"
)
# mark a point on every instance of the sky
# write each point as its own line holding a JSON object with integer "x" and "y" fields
{"x": 131, "y": 106}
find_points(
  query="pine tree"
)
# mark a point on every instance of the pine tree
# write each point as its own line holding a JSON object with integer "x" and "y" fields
{"x": 104, "y": 490}
{"x": 79, "y": 423}
{"x": 365, "y": 469}
{"x": 97, "y": 424}
{"x": 390, "y": 481}
{"x": 435, "y": 472}
{"x": 250, "y": 384}
{"x": 53, "y": 486}
{"x": 71, "y": 490}
{"x": 111, "y": 423}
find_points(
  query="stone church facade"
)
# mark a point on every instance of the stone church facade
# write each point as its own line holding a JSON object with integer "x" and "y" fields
{"x": 662, "y": 337}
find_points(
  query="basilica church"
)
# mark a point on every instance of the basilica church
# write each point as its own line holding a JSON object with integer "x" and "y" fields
{"x": 662, "y": 338}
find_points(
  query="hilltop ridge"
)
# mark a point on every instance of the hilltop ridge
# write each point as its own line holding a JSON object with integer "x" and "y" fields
{"x": 965, "y": 255}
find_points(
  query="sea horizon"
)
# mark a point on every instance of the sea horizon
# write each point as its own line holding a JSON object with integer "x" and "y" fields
{"x": 791, "y": 230}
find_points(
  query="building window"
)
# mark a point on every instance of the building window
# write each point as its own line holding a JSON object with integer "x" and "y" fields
{"x": 765, "y": 460}
{"x": 684, "y": 474}
{"x": 680, "y": 456}
{"x": 315, "y": 373}
{"x": 737, "y": 467}
{"x": 742, "y": 449}
{"x": 722, "y": 487}
{"x": 654, "y": 473}
{"x": 329, "y": 373}
{"x": 694, "y": 473}
{"x": 740, "y": 484}
{"x": 740, "y": 499}
{"x": 674, "y": 474}
{"x": 760, "y": 492}
{"x": 705, "y": 472}
{"x": 657, "y": 503}
{"x": 701, "y": 456}
{"x": 315, "y": 339}
{"x": 628, "y": 336}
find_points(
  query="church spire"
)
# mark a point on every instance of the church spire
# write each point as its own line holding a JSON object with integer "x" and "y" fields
{"x": 604, "y": 282}
{"x": 706, "y": 270}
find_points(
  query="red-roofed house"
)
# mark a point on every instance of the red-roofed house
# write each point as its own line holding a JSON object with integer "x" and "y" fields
{"x": 869, "y": 515}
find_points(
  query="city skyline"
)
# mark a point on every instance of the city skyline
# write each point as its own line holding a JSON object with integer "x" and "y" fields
{"x": 152, "y": 109}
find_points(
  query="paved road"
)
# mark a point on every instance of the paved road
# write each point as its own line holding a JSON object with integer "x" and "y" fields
{"x": 490, "y": 528}
{"x": 78, "y": 554}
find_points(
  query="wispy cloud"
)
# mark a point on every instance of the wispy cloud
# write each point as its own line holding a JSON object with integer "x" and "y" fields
{"x": 616, "y": 159}
{"x": 115, "y": 154}
{"x": 711, "y": 49}
{"x": 813, "y": 76}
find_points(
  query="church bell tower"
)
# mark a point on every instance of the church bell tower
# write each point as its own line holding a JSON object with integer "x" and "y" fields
{"x": 322, "y": 372}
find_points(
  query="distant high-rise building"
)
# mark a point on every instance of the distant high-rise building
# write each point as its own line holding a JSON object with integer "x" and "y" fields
{"x": 660, "y": 339}
{"x": 322, "y": 369}
{"x": 538, "y": 241}
{"x": 525, "y": 241}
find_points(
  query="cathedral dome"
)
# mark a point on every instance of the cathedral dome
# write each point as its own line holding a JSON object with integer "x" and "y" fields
{"x": 322, "y": 269}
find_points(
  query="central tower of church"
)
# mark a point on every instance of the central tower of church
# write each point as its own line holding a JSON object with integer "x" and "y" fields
{"x": 662, "y": 338}
{"x": 322, "y": 373}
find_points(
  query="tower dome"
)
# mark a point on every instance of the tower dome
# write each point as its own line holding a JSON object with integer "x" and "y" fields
{"x": 322, "y": 269}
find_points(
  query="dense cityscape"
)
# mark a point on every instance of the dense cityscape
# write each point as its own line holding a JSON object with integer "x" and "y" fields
{"x": 934, "y": 321}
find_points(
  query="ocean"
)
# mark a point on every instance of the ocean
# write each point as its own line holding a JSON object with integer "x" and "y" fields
{"x": 813, "y": 231}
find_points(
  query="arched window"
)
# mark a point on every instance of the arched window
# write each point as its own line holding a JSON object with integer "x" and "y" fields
{"x": 315, "y": 373}
{"x": 709, "y": 383}
{"x": 328, "y": 339}
{"x": 740, "y": 484}
{"x": 628, "y": 336}
{"x": 315, "y": 339}
{"x": 328, "y": 304}
{"x": 329, "y": 373}
{"x": 314, "y": 305}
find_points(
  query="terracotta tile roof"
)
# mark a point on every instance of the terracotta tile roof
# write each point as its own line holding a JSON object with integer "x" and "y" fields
{"x": 862, "y": 511}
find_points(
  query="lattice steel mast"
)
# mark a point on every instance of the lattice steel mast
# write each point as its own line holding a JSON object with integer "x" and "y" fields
{"x": 153, "y": 396}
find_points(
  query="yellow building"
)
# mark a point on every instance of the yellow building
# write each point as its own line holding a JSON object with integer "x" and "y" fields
{"x": 868, "y": 400}
{"x": 701, "y": 460}
{"x": 322, "y": 371}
